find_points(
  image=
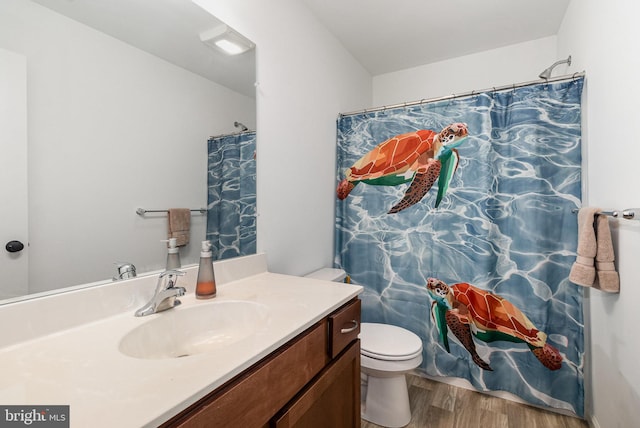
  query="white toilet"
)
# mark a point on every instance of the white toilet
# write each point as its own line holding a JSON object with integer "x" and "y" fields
{"x": 387, "y": 353}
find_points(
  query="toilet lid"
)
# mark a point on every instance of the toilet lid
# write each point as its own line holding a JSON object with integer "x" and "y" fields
{"x": 384, "y": 341}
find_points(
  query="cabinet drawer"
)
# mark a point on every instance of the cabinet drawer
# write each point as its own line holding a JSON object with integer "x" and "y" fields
{"x": 344, "y": 327}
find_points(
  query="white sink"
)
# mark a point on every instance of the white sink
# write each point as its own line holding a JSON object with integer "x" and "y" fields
{"x": 182, "y": 332}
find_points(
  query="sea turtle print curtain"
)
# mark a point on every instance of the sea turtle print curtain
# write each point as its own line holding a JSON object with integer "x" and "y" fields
{"x": 456, "y": 217}
{"x": 231, "y": 200}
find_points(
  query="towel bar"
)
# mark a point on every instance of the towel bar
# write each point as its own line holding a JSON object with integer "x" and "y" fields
{"x": 142, "y": 211}
{"x": 628, "y": 213}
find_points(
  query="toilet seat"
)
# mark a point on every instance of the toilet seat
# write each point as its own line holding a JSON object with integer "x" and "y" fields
{"x": 388, "y": 342}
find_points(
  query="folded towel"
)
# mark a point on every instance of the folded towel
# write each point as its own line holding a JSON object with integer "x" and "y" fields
{"x": 608, "y": 279}
{"x": 583, "y": 271}
{"x": 179, "y": 225}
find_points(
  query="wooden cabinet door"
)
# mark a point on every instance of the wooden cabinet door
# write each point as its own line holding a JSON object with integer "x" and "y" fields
{"x": 332, "y": 400}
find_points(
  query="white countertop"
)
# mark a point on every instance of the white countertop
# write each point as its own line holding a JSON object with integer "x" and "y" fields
{"x": 82, "y": 367}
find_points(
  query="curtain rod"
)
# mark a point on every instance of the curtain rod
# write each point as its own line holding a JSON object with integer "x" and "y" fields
{"x": 466, "y": 94}
{"x": 231, "y": 134}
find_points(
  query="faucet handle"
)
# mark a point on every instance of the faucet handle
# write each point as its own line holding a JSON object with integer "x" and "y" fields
{"x": 126, "y": 270}
{"x": 170, "y": 281}
{"x": 172, "y": 272}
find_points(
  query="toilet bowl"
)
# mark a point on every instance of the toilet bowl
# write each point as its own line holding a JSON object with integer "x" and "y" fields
{"x": 387, "y": 353}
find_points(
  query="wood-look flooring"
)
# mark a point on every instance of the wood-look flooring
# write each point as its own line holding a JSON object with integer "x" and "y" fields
{"x": 438, "y": 405}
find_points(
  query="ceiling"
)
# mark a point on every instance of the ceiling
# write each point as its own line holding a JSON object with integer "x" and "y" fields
{"x": 383, "y": 35}
{"x": 169, "y": 29}
{"x": 392, "y": 35}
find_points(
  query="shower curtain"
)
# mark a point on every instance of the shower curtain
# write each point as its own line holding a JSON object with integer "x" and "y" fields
{"x": 231, "y": 200}
{"x": 478, "y": 265}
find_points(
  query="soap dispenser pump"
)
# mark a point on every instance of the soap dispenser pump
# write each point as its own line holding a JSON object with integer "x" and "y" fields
{"x": 206, "y": 283}
{"x": 173, "y": 254}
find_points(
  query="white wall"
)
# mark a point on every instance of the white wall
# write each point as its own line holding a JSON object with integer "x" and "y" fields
{"x": 602, "y": 37}
{"x": 517, "y": 63}
{"x": 110, "y": 129}
{"x": 305, "y": 79}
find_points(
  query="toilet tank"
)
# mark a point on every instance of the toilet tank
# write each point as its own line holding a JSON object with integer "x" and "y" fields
{"x": 328, "y": 274}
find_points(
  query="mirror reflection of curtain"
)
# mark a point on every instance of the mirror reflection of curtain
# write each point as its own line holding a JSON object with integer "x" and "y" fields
{"x": 505, "y": 226}
{"x": 231, "y": 200}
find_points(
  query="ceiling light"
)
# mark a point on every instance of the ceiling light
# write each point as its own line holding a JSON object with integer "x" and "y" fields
{"x": 227, "y": 40}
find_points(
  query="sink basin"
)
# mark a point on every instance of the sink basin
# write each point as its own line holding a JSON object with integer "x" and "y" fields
{"x": 183, "y": 332}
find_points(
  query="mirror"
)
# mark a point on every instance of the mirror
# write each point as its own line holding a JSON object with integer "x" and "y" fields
{"x": 121, "y": 97}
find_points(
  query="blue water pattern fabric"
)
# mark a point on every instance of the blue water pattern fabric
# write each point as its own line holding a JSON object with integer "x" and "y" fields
{"x": 231, "y": 200}
{"x": 505, "y": 226}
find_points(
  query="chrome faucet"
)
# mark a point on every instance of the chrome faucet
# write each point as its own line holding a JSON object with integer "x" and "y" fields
{"x": 126, "y": 270}
{"x": 165, "y": 295}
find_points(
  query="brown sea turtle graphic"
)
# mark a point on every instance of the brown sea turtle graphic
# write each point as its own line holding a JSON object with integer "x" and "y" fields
{"x": 418, "y": 157}
{"x": 471, "y": 312}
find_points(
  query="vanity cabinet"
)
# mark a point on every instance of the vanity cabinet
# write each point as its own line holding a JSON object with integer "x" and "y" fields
{"x": 311, "y": 381}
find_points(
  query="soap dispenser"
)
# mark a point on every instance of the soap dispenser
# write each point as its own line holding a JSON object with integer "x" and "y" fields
{"x": 173, "y": 255}
{"x": 206, "y": 284}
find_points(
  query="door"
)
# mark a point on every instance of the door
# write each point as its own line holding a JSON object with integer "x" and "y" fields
{"x": 331, "y": 400}
{"x": 13, "y": 174}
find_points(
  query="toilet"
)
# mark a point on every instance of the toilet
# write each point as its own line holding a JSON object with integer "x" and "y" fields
{"x": 387, "y": 353}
